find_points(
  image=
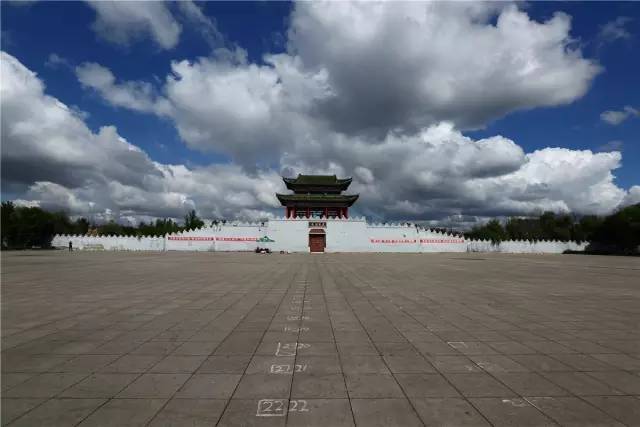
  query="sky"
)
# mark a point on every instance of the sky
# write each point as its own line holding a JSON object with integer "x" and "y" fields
{"x": 445, "y": 112}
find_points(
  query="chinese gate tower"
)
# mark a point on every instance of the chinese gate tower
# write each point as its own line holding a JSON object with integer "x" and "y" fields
{"x": 317, "y": 196}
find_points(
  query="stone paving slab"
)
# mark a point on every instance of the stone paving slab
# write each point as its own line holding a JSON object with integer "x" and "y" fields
{"x": 215, "y": 339}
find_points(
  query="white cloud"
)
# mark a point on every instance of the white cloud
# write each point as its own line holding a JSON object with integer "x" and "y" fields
{"x": 121, "y": 22}
{"x": 440, "y": 173}
{"x": 574, "y": 181}
{"x": 135, "y": 95}
{"x": 56, "y": 61}
{"x": 52, "y": 159}
{"x": 615, "y": 30}
{"x": 378, "y": 91}
{"x": 249, "y": 112}
{"x": 407, "y": 65}
{"x": 615, "y": 117}
{"x": 369, "y": 69}
{"x": 633, "y": 196}
{"x": 204, "y": 24}
{"x": 614, "y": 145}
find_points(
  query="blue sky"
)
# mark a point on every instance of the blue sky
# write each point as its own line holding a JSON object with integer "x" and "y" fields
{"x": 603, "y": 35}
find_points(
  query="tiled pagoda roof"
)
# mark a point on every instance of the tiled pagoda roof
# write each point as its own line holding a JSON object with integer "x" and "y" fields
{"x": 318, "y": 199}
{"x": 312, "y": 182}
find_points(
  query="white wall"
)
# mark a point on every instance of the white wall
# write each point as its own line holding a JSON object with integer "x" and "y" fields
{"x": 109, "y": 243}
{"x": 228, "y": 237}
{"x": 480, "y": 246}
{"x": 202, "y": 239}
{"x": 393, "y": 238}
{"x": 289, "y": 234}
{"x": 347, "y": 235}
{"x": 240, "y": 236}
{"x": 525, "y": 246}
{"x": 343, "y": 235}
{"x": 431, "y": 241}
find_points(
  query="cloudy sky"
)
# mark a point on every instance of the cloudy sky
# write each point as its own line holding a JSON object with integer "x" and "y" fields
{"x": 439, "y": 111}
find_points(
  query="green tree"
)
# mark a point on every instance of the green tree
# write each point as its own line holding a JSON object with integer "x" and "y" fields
{"x": 8, "y": 227}
{"x": 618, "y": 233}
{"x": 81, "y": 226}
{"x": 27, "y": 227}
{"x": 111, "y": 228}
{"x": 523, "y": 228}
{"x": 191, "y": 221}
{"x": 586, "y": 227}
{"x": 164, "y": 226}
{"x": 492, "y": 230}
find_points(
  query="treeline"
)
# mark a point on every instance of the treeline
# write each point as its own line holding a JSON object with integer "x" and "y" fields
{"x": 29, "y": 227}
{"x": 32, "y": 227}
{"x": 617, "y": 233}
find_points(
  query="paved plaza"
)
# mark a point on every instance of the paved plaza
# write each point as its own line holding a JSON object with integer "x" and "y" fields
{"x": 205, "y": 339}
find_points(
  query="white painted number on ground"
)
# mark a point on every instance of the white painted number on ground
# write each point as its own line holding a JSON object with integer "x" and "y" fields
{"x": 271, "y": 408}
{"x": 290, "y": 318}
{"x": 293, "y": 329}
{"x": 280, "y": 369}
{"x": 287, "y": 369}
{"x": 290, "y": 349}
{"x": 298, "y": 406}
{"x": 279, "y": 407}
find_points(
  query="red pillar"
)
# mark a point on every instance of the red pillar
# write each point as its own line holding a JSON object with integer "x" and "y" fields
{"x": 346, "y": 212}
{"x": 293, "y": 212}
{"x": 326, "y": 212}
{"x": 308, "y": 212}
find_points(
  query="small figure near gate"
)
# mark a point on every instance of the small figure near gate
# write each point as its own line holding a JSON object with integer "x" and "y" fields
{"x": 70, "y": 246}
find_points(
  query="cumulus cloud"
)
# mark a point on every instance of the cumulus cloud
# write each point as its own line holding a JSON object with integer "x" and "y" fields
{"x": 56, "y": 61}
{"x": 134, "y": 95}
{"x": 407, "y": 65}
{"x": 370, "y": 69}
{"x": 254, "y": 113}
{"x": 615, "y": 117}
{"x": 615, "y": 30}
{"x": 440, "y": 173}
{"x": 378, "y": 91}
{"x": 205, "y": 25}
{"x": 52, "y": 159}
{"x": 633, "y": 196}
{"x": 122, "y": 22}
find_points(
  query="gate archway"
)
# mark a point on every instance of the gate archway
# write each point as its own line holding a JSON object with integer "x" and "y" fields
{"x": 317, "y": 240}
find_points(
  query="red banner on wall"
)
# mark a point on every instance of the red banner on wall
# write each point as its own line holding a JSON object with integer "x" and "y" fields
{"x": 236, "y": 239}
{"x": 393, "y": 240}
{"x": 441, "y": 240}
{"x": 191, "y": 238}
{"x": 210, "y": 238}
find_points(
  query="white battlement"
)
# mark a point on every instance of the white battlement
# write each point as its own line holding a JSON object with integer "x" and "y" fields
{"x": 292, "y": 235}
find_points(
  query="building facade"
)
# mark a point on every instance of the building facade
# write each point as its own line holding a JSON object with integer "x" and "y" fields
{"x": 317, "y": 196}
{"x": 316, "y": 220}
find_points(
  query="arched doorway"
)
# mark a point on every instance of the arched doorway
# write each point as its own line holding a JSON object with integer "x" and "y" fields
{"x": 317, "y": 240}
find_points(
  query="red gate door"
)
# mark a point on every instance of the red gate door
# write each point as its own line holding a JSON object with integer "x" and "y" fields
{"x": 317, "y": 242}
